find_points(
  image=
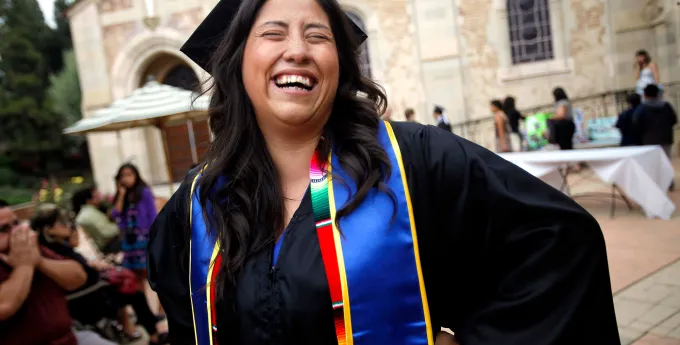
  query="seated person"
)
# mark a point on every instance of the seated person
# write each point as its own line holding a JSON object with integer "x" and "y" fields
{"x": 104, "y": 232}
{"x": 33, "y": 279}
{"x": 57, "y": 232}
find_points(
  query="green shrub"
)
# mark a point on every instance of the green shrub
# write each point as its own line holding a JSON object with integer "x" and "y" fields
{"x": 15, "y": 196}
{"x": 8, "y": 177}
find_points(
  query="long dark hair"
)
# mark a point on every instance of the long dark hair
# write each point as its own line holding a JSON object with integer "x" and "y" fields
{"x": 247, "y": 210}
{"x": 509, "y": 105}
{"x": 45, "y": 217}
{"x": 645, "y": 55}
{"x": 81, "y": 197}
{"x": 134, "y": 193}
{"x": 560, "y": 94}
{"x": 497, "y": 104}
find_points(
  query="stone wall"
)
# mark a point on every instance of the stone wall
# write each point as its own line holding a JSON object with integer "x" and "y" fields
{"x": 579, "y": 66}
{"x": 392, "y": 50}
{"x": 650, "y": 25}
{"x": 423, "y": 52}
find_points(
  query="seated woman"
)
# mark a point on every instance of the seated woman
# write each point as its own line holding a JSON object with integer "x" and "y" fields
{"x": 57, "y": 232}
{"x": 104, "y": 232}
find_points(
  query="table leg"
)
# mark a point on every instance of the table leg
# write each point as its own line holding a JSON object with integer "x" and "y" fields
{"x": 613, "y": 203}
{"x": 564, "y": 174}
{"x": 623, "y": 196}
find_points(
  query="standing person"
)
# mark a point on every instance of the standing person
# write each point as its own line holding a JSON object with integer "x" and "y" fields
{"x": 514, "y": 116}
{"x": 630, "y": 134}
{"x": 502, "y": 127}
{"x": 563, "y": 126}
{"x": 300, "y": 228}
{"x": 646, "y": 71}
{"x": 441, "y": 119}
{"x": 387, "y": 116}
{"x": 655, "y": 119}
{"x": 135, "y": 210}
{"x": 410, "y": 115}
{"x": 105, "y": 233}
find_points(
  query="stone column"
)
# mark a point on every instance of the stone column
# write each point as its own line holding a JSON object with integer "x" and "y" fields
{"x": 91, "y": 59}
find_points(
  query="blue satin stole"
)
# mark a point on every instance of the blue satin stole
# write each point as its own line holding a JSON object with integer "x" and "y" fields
{"x": 387, "y": 298}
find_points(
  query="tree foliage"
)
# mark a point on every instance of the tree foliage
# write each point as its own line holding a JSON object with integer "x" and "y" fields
{"x": 64, "y": 92}
{"x": 23, "y": 114}
{"x": 63, "y": 30}
{"x": 27, "y": 123}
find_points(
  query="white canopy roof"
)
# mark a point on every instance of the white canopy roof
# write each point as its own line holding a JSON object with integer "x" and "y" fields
{"x": 150, "y": 105}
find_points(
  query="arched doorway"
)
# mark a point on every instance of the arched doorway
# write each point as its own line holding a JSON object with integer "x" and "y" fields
{"x": 364, "y": 58}
{"x": 182, "y": 76}
{"x": 170, "y": 70}
{"x": 186, "y": 142}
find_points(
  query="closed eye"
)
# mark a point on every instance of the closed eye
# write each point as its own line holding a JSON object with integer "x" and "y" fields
{"x": 272, "y": 34}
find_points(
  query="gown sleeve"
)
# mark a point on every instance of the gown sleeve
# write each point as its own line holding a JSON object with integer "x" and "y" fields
{"x": 168, "y": 265}
{"x": 528, "y": 265}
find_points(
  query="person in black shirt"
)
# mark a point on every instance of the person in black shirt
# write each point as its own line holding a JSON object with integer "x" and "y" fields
{"x": 514, "y": 116}
{"x": 655, "y": 119}
{"x": 410, "y": 115}
{"x": 441, "y": 119}
{"x": 630, "y": 134}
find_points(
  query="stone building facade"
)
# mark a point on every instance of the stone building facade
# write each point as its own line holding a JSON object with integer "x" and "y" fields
{"x": 459, "y": 54}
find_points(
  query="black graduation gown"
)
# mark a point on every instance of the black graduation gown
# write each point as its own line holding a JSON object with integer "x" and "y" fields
{"x": 506, "y": 259}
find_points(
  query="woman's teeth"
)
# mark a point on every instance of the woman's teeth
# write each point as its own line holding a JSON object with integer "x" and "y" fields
{"x": 294, "y": 82}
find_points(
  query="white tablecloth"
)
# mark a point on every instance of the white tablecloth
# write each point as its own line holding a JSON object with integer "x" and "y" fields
{"x": 643, "y": 173}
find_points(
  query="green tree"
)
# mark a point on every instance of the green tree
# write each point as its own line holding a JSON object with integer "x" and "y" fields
{"x": 64, "y": 92}
{"x": 26, "y": 123}
{"x": 60, "y": 40}
{"x": 62, "y": 30}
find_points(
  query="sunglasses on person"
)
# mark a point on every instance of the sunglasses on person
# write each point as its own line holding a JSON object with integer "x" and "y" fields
{"x": 9, "y": 226}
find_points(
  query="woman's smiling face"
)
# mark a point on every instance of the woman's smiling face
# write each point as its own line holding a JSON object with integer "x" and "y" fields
{"x": 290, "y": 64}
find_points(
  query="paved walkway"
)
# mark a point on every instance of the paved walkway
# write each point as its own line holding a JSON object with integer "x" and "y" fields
{"x": 649, "y": 310}
{"x": 636, "y": 246}
{"x": 644, "y": 263}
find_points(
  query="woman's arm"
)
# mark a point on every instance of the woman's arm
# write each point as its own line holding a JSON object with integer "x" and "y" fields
{"x": 655, "y": 72}
{"x": 500, "y": 128}
{"x": 68, "y": 274}
{"x": 530, "y": 264}
{"x": 560, "y": 113}
{"x": 168, "y": 264}
{"x": 118, "y": 205}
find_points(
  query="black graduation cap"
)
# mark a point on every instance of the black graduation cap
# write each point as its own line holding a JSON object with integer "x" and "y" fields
{"x": 203, "y": 42}
{"x": 438, "y": 109}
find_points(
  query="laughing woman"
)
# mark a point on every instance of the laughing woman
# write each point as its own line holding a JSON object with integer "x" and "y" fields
{"x": 314, "y": 222}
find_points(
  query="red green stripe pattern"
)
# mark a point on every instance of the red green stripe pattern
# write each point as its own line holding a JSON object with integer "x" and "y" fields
{"x": 214, "y": 271}
{"x": 318, "y": 175}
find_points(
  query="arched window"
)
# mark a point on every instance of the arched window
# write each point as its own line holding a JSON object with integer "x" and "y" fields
{"x": 364, "y": 59}
{"x": 530, "y": 31}
{"x": 183, "y": 77}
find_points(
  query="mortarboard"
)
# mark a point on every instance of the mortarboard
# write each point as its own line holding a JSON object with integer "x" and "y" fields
{"x": 203, "y": 42}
